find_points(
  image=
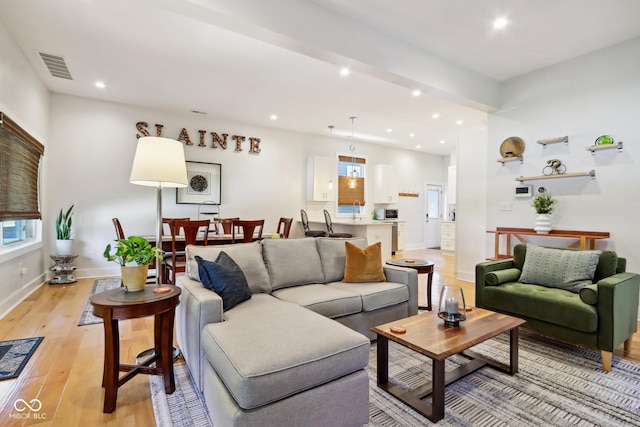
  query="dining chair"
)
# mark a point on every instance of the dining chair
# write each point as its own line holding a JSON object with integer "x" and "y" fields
{"x": 248, "y": 230}
{"x": 191, "y": 230}
{"x": 285, "y": 225}
{"x": 305, "y": 224}
{"x": 327, "y": 220}
{"x": 226, "y": 224}
{"x": 151, "y": 276}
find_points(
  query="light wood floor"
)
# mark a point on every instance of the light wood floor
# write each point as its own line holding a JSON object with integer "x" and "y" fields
{"x": 65, "y": 373}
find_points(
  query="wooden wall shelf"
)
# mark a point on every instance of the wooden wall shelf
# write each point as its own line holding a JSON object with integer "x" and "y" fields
{"x": 557, "y": 140}
{"x": 504, "y": 160}
{"x": 408, "y": 194}
{"x": 594, "y": 148}
{"x": 591, "y": 173}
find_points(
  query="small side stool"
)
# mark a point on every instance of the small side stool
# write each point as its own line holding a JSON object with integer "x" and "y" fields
{"x": 62, "y": 269}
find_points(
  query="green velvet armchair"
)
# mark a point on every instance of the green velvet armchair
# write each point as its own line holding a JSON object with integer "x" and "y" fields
{"x": 601, "y": 315}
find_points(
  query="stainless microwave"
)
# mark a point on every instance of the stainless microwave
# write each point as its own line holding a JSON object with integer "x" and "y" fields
{"x": 391, "y": 214}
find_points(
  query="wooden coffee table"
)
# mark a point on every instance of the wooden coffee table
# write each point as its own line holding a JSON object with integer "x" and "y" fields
{"x": 427, "y": 334}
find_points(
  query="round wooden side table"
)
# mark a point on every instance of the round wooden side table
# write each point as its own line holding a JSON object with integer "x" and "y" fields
{"x": 422, "y": 266}
{"x": 117, "y": 304}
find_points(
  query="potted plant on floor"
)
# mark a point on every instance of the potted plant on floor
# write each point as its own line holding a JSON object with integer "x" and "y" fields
{"x": 543, "y": 204}
{"x": 64, "y": 242}
{"x": 134, "y": 254}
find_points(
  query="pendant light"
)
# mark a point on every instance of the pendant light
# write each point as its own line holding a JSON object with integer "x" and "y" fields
{"x": 353, "y": 182}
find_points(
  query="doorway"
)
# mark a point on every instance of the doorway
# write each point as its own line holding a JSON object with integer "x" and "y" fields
{"x": 433, "y": 216}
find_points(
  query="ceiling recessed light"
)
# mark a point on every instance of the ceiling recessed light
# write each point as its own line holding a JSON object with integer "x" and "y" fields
{"x": 389, "y": 130}
{"x": 418, "y": 146}
{"x": 500, "y": 23}
{"x": 459, "y": 122}
{"x": 100, "y": 85}
{"x": 411, "y": 135}
{"x": 273, "y": 117}
{"x": 344, "y": 71}
{"x": 416, "y": 93}
{"x": 435, "y": 115}
{"x": 442, "y": 141}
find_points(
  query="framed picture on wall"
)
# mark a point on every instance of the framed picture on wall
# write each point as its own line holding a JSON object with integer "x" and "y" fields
{"x": 203, "y": 184}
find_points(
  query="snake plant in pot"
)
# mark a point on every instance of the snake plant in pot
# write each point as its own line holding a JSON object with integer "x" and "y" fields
{"x": 134, "y": 254}
{"x": 64, "y": 242}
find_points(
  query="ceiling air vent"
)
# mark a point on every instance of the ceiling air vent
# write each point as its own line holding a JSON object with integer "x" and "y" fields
{"x": 56, "y": 65}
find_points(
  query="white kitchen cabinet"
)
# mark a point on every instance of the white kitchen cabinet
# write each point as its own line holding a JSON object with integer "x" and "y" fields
{"x": 386, "y": 185}
{"x": 448, "y": 237}
{"x": 319, "y": 181}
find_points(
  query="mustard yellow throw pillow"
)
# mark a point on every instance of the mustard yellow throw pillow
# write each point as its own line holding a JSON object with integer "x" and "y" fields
{"x": 363, "y": 265}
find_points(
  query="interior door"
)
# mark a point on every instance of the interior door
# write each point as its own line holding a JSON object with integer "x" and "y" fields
{"x": 433, "y": 216}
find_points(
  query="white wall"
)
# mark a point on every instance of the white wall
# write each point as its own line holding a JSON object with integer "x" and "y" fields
{"x": 25, "y": 100}
{"x": 590, "y": 96}
{"x": 91, "y": 149}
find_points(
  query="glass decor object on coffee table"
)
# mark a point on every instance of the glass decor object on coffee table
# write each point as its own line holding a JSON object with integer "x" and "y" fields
{"x": 451, "y": 308}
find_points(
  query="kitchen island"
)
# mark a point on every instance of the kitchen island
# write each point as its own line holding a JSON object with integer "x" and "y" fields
{"x": 374, "y": 231}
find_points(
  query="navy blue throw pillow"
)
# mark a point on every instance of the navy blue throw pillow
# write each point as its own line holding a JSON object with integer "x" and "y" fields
{"x": 224, "y": 277}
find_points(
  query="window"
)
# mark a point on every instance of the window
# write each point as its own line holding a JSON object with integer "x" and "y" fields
{"x": 350, "y": 197}
{"x": 20, "y": 155}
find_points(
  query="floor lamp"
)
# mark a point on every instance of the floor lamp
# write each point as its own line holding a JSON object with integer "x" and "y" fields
{"x": 159, "y": 162}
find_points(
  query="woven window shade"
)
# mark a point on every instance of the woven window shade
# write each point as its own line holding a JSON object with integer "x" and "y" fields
{"x": 348, "y": 196}
{"x": 19, "y": 168}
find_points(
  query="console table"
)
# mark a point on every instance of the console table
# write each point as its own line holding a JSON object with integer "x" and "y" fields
{"x": 584, "y": 239}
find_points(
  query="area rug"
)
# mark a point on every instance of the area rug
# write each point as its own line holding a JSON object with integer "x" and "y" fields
{"x": 100, "y": 285}
{"x": 557, "y": 384}
{"x": 15, "y": 354}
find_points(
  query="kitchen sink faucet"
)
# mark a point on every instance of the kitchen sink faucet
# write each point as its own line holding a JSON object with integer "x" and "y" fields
{"x": 354, "y": 208}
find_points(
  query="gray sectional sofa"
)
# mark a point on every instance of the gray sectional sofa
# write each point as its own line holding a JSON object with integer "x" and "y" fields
{"x": 284, "y": 357}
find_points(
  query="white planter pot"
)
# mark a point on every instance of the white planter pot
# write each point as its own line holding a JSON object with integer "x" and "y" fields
{"x": 542, "y": 224}
{"x": 64, "y": 247}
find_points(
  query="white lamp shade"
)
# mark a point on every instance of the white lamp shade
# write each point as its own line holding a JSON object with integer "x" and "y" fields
{"x": 159, "y": 162}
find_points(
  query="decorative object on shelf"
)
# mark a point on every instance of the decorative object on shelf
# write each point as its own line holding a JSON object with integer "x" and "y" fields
{"x": 512, "y": 147}
{"x": 134, "y": 254}
{"x": 452, "y": 307}
{"x": 409, "y": 194}
{"x": 604, "y": 140}
{"x": 557, "y": 140}
{"x": 543, "y": 204}
{"x": 554, "y": 167}
{"x": 64, "y": 242}
{"x": 62, "y": 268}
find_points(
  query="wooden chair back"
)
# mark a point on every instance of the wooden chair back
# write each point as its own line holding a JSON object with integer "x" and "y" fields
{"x": 118, "y": 227}
{"x": 190, "y": 230}
{"x": 227, "y": 224}
{"x": 248, "y": 228}
{"x": 285, "y": 225}
{"x": 170, "y": 223}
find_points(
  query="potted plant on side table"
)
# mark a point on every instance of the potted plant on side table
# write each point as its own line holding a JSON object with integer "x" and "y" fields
{"x": 64, "y": 242}
{"x": 543, "y": 204}
{"x": 134, "y": 254}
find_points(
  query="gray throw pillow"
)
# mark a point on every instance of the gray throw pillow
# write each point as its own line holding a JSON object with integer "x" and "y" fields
{"x": 225, "y": 278}
{"x": 559, "y": 268}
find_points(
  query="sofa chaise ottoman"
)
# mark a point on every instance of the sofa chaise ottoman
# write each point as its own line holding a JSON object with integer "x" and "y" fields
{"x": 294, "y": 353}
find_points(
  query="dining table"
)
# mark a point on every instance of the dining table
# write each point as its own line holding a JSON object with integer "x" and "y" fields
{"x": 213, "y": 239}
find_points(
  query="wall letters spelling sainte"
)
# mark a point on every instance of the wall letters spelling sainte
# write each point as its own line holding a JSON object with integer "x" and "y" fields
{"x": 216, "y": 140}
